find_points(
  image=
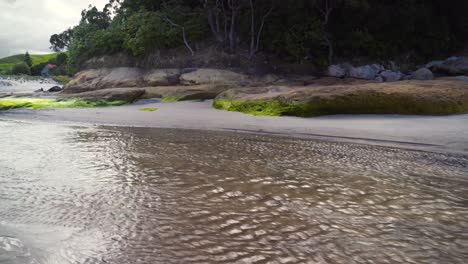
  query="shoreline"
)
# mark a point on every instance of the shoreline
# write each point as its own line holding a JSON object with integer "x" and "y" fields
{"x": 445, "y": 134}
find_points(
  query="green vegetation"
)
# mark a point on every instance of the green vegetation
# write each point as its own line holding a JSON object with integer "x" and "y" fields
{"x": 148, "y": 109}
{"x": 38, "y": 61}
{"x": 28, "y": 59}
{"x": 21, "y": 68}
{"x": 260, "y": 108}
{"x": 297, "y": 31}
{"x": 170, "y": 99}
{"x": 36, "y": 103}
{"x": 61, "y": 79}
{"x": 363, "y": 103}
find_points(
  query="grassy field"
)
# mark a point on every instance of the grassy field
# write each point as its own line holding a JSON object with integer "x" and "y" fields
{"x": 7, "y": 63}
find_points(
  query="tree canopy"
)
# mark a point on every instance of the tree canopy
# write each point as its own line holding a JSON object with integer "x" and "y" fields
{"x": 301, "y": 30}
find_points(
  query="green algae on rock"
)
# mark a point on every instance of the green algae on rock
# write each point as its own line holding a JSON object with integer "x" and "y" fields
{"x": 148, "y": 109}
{"x": 411, "y": 97}
{"x": 37, "y": 103}
{"x": 170, "y": 99}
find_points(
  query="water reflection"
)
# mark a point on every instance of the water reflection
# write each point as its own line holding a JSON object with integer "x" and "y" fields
{"x": 121, "y": 195}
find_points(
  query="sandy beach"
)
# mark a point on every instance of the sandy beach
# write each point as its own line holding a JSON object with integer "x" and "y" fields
{"x": 432, "y": 133}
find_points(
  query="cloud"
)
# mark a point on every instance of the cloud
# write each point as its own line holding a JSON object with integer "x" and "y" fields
{"x": 26, "y": 25}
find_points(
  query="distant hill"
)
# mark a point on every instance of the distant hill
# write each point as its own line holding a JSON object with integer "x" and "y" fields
{"x": 7, "y": 63}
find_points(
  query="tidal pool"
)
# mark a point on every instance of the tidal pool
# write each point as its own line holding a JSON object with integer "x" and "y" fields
{"x": 74, "y": 194}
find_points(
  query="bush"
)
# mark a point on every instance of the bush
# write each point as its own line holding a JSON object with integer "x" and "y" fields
{"x": 21, "y": 68}
{"x": 36, "y": 69}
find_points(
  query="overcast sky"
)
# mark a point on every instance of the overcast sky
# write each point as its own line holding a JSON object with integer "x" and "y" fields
{"x": 26, "y": 25}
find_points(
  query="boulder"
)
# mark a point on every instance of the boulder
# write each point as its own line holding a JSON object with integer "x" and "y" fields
{"x": 367, "y": 72}
{"x": 391, "y": 76}
{"x": 181, "y": 92}
{"x": 422, "y": 74}
{"x": 337, "y": 70}
{"x": 95, "y": 79}
{"x": 434, "y": 97}
{"x": 452, "y": 66}
{"x": 121, "y": 77}
{"x": 55, "y": 89}
{"x": 213, "y": 76}
{"x": 379, "y": 79}
{"x": 121, "y": 94}
{"x": 378, "y": 67}
{"x": 433, "y": 63}
{"x": 161, "y": 77}
{"x": 86, "y": 80}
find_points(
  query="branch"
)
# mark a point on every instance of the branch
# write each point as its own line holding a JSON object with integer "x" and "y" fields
{"x": 184, "y": 36}
{"x": 259, "y": 34}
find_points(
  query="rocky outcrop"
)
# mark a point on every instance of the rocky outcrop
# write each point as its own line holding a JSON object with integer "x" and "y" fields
{"x": 406, "y": 97}
{"x": 183, "y": 92}
{"x": 161, "y": 77}
{"x": 96, "y": 79}
{"x": 391, "y": 76}
{"x": 173, "y": 83}
{"x": 451, "y": 66}
{"x": 337, "y": 70}
{"x": 112, "y": 94}
{"x": 213, "y": 76}
{"x": 367, "y": 72}
{"x": 422, "y": 74}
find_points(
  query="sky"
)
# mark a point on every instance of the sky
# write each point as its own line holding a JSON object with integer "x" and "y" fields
{"x": 26, "y": 25}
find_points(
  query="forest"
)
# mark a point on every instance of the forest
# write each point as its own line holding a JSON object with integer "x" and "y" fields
{"x": 300, "y": 31}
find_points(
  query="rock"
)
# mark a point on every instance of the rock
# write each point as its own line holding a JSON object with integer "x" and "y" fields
{"x": 213, "y": 76}
{"x": 432, "y": 97}
{"x": 379, "y": 79}
{"x": 87, "y": 80}
{"x": 377, "y": 67}
{"x": 162, "y": 77}
{"x": 337, "y": 70}
{"x": 181, "y": 92}
{"x": 391, "y": 76}
{"x": 422, "y": 74}
{"x": 452, "y": 66}
{"x": 433, "y": 63}
{"x": 121, "y": 94}
{"x": 122, "y": 77}
{"x": 366, "y": 72}
{"x": 54, "y": 89}
{"x": 456, "y": 78}
{"x": 5, "y": 83}
{"x": 95, "y": 79}
{"x": 269, "y": 78}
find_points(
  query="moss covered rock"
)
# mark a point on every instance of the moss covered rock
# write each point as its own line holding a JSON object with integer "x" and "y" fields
{"x": 438, "y": 97}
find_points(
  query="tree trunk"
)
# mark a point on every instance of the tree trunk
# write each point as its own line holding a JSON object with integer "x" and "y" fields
{"x": 252, "y": 30}
{"x": 326, "y": 11}
{"x": 184, "y": 36}
{"x": 232, "y": 32}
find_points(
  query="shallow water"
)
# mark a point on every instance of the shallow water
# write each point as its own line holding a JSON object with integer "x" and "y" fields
{"x": 19, "y": 85}
{"x": 124, "y": 195}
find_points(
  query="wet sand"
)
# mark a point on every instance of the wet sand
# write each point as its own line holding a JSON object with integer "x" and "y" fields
{"x": 433, "y": 133}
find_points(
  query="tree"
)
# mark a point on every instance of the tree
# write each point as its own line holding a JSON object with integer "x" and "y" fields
{"x": 60, "y": 42}
{"x": 27, "y": 59}
{"x": 184, "y": 35}
{"x": 325, "y": 8}
{"x": 21, "y": 68}
{"x": 255, "y": 37}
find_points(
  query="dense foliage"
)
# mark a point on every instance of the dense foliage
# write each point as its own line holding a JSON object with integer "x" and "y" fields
{"x": 21, "y": 68}
{"x": 302, "y": 30}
